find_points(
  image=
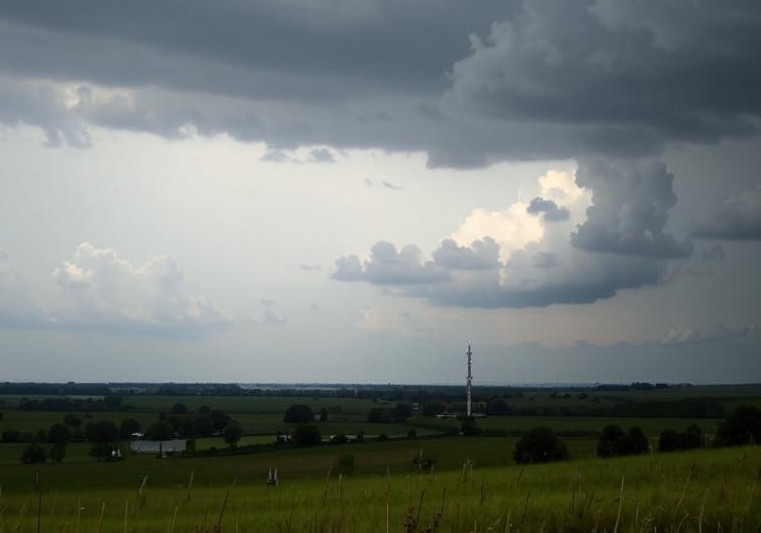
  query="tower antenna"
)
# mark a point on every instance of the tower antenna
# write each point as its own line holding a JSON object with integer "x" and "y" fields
{"x": 469, "y": 382}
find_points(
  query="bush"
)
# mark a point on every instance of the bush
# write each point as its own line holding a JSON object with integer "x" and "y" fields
{"x": 339, "y": 439}
{"x": 346, "y": 464}
{"x": 382, "y": 437}
{"x": 670, "y": 440}
{"x": 614, "y": 442}
{"x": 469, "y": 427}
{"x": 160, "y": 430}
{"x": 307, "y": 435}
{"x": 232, "y": 433}
{"x": 298, "y": 414}
{"x": 57, "y": 452}
{"x": 380, "y": 415}
{"x": 540, "y": 445}
{"x": 742, "y": 427}
{"x": 11, "y": 435}
{"x": 33, "y": 454}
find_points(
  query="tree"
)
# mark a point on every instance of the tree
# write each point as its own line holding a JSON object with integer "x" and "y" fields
{"x": 379, "y": 415}
{"x": 112, "y": 401}
{"x": 72, "y": 420}
{"x": 59, "y": 434}
{"x": 1, "y": 416}
{"x": 540, "y": 445}
{"x": 57, "y": 452}
{"x": 742, "y": 427}
{"x": 33, "y": 454}
{"x": 402, "y": 411}
{"x": 668, "y": 441}
{"x": 160, "y": 430}
{"x": 102, "y": 434}
{"x": 127, "y": 427}
{"x": 203, "y": 426}
{"x": 306, "y": 435}
{"x": 179, "y": 409}
{"x": 611, "y": 441}
{"x": 323, "y": 414}
{"x": 11, "y": 435}
{"x": 496, "y": 406}
{"x": 636, "y": 441}
{"x": 219, "y": 419}
{"x": 469, "y": 426}
{"x": 298, "y": 414}
{"x": 233, "y": 432}
{"x": 614, "y": 442}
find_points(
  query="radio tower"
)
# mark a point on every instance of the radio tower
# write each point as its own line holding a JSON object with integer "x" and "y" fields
{"x": 469, "y": 381}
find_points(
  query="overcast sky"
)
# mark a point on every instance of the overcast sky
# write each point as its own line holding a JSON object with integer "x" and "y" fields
{"x": 350, "y": 190}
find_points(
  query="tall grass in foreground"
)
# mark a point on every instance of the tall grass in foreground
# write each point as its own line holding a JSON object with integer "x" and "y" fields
{"x": 707, "y": 490}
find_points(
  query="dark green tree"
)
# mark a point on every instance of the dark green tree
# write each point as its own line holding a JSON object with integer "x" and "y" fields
{"x": 298, "y": 414}
{"x": 160, "y": 430}
{"x": 233, "y": 432}
{"x": 59, "y": 434}
{"x": 540, "y": 445}
{"x": 611, "y": 441}
{"x": 402, "y": 411}
{"x": 179, "y": 409}
{"x": 219, "y": 419}
{"x": 379, "y": 415}
{"x": 57, "y": 452}
{"x": 307, "y": 435}
{"x": 127, "y": 427}
{"x": 496, "y": 406}
{"x": 469, "y": 426}
{"x": 112, "y": 401}
{"x": 72, "y": 420}
{"x": 742, "y": 427}
{"x": 11, "y": 435}
{"x": 323, "y": 414}
{"x": 33, "y": 454}
{"x": 103, "y": 435}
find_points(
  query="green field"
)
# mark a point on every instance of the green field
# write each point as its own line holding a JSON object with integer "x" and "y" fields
{"x": 715, "y": 489}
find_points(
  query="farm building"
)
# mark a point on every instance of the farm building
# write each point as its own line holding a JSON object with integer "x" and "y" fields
{"x": 158, "y": 446}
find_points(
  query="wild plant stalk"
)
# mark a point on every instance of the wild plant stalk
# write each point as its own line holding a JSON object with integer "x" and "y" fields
{"x": 102, "y": 511}
{"x": 79, "y": 512}
{"x": 620, "y": 504}
{"x": 190, "y": 485}
{"x": 388, "y": 494}
{"x": 218, "y": 525}
{"x": 52, "y": 504}
{"x": 39, "y": 497}
{"x": 174, "y": 519}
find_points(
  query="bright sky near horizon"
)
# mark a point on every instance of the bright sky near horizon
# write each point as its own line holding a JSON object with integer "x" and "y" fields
{"x": 349, "y": 191}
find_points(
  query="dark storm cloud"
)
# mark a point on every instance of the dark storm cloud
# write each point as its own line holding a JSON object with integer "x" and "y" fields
{"x": 549, "y": 79}
{"x": 472, "y": 277}
{"x": 629, "y": 211}
{"x": 548, "y": 209}
{"x": 736, "y": 218}
{"x": 386, "y": 266}
{"x": 482, "y": 254}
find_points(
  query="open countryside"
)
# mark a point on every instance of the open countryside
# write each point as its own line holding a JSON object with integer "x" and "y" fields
{"x": 379, "y": 458}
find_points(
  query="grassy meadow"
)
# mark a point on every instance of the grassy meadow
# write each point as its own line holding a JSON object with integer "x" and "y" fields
{"x": 688, "y": 491}
{"x": 473, "y": 485}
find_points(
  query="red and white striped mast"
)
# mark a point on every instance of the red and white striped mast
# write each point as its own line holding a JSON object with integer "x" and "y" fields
{"x": 469, "y": 382}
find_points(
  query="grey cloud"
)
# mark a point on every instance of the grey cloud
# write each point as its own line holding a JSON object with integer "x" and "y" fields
{"x": 548, "y": 209}
{"x": 579, "y": 278}
{"x": 736, "y": 218}
{"x": 554, "y": 80}
{"x": 386, "y": 266}
{"x": 482, "y": 254}
{"x": 17, "y": 307}
{"x": 100, "y": 290}
{"x": 368, "y": 182}
{"x": 589, "y": 281}
{"x": 613, "y": 87}
{"x": 389, "y": 185}
{"x": 545, "y": 260}
{"x": 309, "y": 268}
{"x": 683, "y": 335}
{"x": 321, "y": 155}
{"x": 271, "y": 315}
{"x": 631, "y": 200}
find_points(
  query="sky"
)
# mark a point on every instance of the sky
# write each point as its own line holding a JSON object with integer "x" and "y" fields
{"x": 352, "y": 190}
